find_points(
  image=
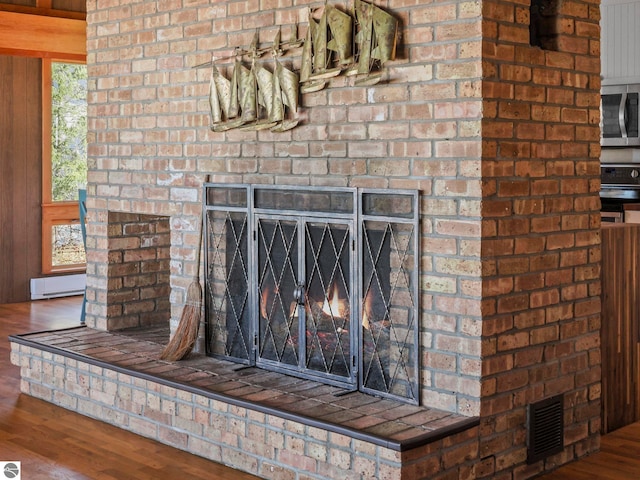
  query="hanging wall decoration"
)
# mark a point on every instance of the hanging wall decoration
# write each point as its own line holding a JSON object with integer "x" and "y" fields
{"x": 254, "y": 98}
{"x": 263, "y": 94}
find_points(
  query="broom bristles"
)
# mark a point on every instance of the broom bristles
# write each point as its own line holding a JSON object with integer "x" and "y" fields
{"x": 185, "y": 336}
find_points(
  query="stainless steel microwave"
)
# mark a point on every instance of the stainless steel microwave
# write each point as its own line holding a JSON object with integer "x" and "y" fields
{"x": 620, "y": 116}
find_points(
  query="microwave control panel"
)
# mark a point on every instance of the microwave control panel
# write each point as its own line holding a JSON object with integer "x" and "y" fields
{"x": 619, "y": 175}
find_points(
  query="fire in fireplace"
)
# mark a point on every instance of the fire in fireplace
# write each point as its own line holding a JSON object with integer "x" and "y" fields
{"x": 319, "y": 283}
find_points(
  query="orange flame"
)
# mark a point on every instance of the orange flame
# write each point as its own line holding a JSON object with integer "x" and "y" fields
{"x": 264, "y": 299}
{"x": 334, "y": 305}
{"x": 366, "y": 310}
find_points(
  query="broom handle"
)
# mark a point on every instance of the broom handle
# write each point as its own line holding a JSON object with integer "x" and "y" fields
{"x": 200, "y": 235}
{"x": 197, "y": 276}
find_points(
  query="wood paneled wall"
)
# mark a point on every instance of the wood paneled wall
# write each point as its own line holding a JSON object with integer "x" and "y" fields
{"x": 27, "y": 3}
{"x": 20, "y": 175}
{"x": 70, "y": 5}
{"x": 620, "y": 325}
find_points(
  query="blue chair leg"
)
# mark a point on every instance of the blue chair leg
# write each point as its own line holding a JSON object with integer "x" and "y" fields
{"x": 82, "y": 203}
{"x": 84, "y": 306}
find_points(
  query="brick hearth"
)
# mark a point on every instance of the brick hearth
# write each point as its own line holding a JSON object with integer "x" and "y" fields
{"x": 260, "y": 422}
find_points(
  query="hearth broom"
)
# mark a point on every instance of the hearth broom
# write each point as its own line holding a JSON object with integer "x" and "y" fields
{"x": 185, "y": 336}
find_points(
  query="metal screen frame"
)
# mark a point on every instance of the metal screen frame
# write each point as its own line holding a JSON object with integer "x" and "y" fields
{"x": 345, "y": 206}
{"x": 409, "y": 219}
{"x": 348, "y": 380}
{"x": 215, "y": 304}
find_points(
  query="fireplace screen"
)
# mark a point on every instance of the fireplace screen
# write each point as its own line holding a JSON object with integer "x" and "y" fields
{"x": 318, "y": 283}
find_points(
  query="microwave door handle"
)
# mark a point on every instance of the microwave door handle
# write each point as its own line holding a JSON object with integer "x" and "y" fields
{"x": 622, "y": 121}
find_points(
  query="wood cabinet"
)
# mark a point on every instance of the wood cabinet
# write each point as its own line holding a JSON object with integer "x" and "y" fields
{"x": 620, "y": 325}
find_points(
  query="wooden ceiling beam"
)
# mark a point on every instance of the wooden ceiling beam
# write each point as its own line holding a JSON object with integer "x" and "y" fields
{"x": 42, "y": 36}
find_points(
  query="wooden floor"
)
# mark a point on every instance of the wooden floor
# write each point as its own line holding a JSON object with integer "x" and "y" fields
{"x": 618, "y": 459}
{"x": 55, "y": 444}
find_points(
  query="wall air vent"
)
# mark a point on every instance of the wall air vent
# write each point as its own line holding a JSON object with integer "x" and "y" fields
{"x": 545, "y": 425}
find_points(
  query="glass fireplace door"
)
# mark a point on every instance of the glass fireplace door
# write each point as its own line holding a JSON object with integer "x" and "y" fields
{"x": 305, "y": 273}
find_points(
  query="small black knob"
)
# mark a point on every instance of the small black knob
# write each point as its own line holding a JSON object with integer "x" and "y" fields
{"x": 298, "y": 293}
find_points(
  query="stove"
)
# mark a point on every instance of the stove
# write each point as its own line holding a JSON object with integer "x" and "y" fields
{"x": 619, "y": 187}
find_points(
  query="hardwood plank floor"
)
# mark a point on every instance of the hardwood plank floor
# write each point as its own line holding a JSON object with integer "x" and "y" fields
{"x": 55, "y": 444}
{"x": 618, "y": 459}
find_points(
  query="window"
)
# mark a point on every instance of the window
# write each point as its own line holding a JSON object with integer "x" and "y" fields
{"x": 64, "y": 95}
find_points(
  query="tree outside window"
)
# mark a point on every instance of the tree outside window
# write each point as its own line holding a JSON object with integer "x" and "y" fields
{"x": 65, "y": 165}
{"x": 68, "y": 130}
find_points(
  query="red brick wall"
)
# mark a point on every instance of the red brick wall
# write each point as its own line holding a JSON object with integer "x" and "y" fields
{"x": 499, "y": 137}
{"x": 540, "y": 237}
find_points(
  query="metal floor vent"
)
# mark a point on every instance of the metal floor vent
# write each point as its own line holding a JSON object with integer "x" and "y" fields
{"x": 545, "y": 424}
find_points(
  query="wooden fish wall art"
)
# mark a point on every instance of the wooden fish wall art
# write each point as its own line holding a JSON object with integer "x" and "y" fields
{"x": 263, "y": 94}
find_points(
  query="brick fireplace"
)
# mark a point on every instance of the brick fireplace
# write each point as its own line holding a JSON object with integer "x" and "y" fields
{"x": 499, "y": 137}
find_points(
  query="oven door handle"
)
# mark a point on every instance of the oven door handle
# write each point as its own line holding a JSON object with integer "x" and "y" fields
{"x": 611, "y": 217}
{"x": 622, "y": 120}
{"x": 620, "y": 193}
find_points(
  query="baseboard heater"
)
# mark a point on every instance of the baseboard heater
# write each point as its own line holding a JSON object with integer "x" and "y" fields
{"x": 58, "y": 286}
